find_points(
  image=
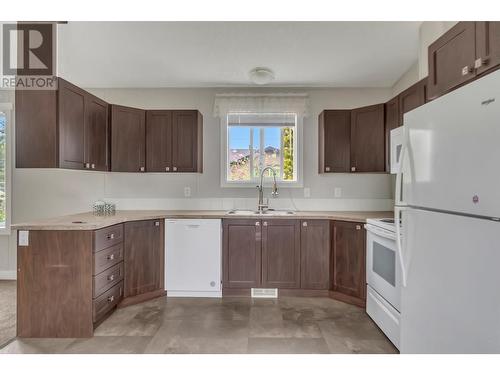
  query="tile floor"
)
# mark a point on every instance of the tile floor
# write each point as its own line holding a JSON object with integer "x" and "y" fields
{"x": 228, "y": 325}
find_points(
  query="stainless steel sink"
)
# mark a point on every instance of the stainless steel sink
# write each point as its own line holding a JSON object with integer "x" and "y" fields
{"x": 269, "y": 212}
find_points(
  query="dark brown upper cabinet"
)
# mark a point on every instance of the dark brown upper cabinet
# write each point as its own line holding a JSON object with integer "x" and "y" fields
{"x": 315, "y": 254}
{"x": 392, "y": 121}
{"x": 334, "y": 141}
{"x": 174, "y": 141}
{"x": 281, "y": 253}
{"x": 367, "y": 139}
{"x": 451, "y": 59}
{"x": 487, "y": 45}
{"x": 159, "y": 141}
{"x": 348, "y": 262}
{"x": 464, "y": 52}
{"x": 63, "y": 128}
{"x": 242, "y": 253}
{"x": 143, "y": 257}
{"x": 128, "y": 139}
{"x": 412, "y": 97}
{"x": 97, "y": 133}
{"x": 187, "y": 141}
{"x": 71, "y": 117}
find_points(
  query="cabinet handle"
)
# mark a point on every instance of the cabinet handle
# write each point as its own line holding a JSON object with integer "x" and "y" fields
{"x": 257, "y": 223}
{"x": 264, "y": 223}
{"x": 142, "y": 169}
{"x": 304, "y": 223}
{"x": 327, "y": 169}
{"x": 466, "y": 70}
{"x": 111, "y": 257}
{"x": 353, "y": 169}
{"x": 86, "y": 165}
{"x": 167, "y": 169}
{"x": 480, "y": 62}
{"x": 175, "y": 169}
{"x": 358, "y": 227}
{"x": 157, "y": 223}
{"x": 111, "y": 299}
{"x": 92, "y": 166}
{"x": 111, "y": 236}
{"x": 111, "y": 277}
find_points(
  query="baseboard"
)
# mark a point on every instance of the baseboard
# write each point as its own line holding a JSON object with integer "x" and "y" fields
{"x": 282, "y": 292}
{"x": 8, "y": 275}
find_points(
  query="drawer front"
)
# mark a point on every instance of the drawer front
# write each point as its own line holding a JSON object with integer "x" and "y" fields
{"x": 107, "y": 301}
{"x": 109, "y": 236}
{"x": 107, "y": 258}
{"x": 107, "y": 279}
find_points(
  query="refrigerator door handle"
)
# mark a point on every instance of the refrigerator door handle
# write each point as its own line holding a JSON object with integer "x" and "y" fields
{"x": 399, "y": 246}
{"x": 398, "y": 196}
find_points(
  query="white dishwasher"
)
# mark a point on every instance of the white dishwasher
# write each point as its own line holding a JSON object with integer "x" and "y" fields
{"x": 193, "y": 257}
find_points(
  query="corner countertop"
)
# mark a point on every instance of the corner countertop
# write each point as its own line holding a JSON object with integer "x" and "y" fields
{"x": 89, "y": 221}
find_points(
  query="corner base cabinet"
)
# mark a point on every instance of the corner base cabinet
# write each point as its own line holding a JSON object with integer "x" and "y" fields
{"x": 349, "y": 262}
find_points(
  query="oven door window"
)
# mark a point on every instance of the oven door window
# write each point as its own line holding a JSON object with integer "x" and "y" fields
{"x": 384, "y": 263}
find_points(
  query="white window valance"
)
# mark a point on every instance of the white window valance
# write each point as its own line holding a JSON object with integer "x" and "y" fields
{"x": 263, "y": 103}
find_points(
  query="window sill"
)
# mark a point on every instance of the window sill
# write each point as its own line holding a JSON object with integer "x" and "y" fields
{"x": 5, "y": 231}
{"x": 253, "y": 184}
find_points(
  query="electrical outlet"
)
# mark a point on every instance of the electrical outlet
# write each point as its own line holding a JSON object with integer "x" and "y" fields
{"x": 187, "y": 191}
{"x": 337, "y": 192}
{"x": 307, "y": 192}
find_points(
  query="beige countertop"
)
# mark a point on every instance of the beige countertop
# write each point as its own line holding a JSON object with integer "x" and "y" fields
{"x": 89, "y": 221}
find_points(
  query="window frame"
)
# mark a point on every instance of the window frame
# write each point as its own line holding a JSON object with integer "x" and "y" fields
{"x": 6, "y": 108}
{"x": 224, "y": 162}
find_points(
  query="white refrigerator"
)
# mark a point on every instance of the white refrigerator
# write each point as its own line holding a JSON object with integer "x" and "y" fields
{"x": 448, "y": 199}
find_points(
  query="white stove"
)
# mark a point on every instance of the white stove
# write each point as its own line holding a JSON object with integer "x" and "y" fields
{"x": 383, "y": 302}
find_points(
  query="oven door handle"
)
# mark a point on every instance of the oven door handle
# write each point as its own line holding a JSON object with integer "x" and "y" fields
{"x": 380, "y": 232}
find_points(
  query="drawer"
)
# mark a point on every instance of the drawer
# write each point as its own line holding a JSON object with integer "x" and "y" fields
{"x": 109, "y": 236}
{"x": 107, "y": 258}
{"x": 106, "y": 301}
{"x": 107, "y": 279}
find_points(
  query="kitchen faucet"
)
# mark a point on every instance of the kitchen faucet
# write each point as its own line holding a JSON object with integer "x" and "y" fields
{"x": 261, "y": 207}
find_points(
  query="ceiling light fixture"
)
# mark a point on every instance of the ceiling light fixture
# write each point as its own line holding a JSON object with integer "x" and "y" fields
{"x": 261, "y": 76}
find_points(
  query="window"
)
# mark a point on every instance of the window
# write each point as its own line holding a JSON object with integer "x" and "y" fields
{"x": 259, "y": 140}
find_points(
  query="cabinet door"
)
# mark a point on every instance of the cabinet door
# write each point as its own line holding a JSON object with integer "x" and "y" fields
{"x": 451, "y": 59}
{"x": 143, "y": 256}
{"x": 334, "y": 141}
{"x": 242, "y": 253}
{"x": 186, "y": 135}
{"x": 281, "y": 253}
{"x": 392, "y": 121}
{"x": 128, "y": 139}
{"x": 367, "y": 139}
{"x": 97, "y": 133}
{"x": 487, "y": 45}
{"x": 412, "y": 98}
{"x": 36, "y": 129}
{"x": 159, "y": 141}
{"x": 348, "y": 263}
{"x": 71, "y": 117}
{"x": 315, "y": 254}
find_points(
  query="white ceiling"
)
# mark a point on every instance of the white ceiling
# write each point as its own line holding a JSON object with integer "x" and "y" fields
{"x": 196, "y": 54}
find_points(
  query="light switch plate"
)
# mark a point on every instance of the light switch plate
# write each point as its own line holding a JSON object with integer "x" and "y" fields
{"x": 337, "y": 192}
{"x": 187, "y": 191}
{"x": 24, "y": 238}
{"x": 307, "y": 192}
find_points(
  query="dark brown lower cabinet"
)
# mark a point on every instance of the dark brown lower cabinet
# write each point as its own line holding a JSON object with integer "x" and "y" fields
{"x": 144, "y": 257}
{"x": 280, "y": 254}
{"x": 242, "y": 253}
{"x": 349, "y": 262}
{"x": 315, "y": 254}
